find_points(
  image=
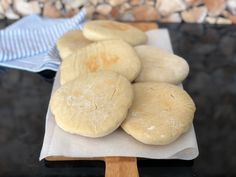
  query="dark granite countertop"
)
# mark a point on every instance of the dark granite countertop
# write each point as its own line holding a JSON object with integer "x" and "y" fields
{"x": 211, "y": 54}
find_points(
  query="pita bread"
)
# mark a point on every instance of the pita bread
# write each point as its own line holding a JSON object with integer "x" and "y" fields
{"x": 93, "y": 105}
{"x": 70, "y": 42}
{"x": 113, "y": 55}
{"x": 160, "y": 66}
{"x": 99, "y": 30}
{"x": 160, "y": 113}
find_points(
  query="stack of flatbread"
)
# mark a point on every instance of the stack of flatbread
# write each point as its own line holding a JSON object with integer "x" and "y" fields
{"x": 110, "y": 78}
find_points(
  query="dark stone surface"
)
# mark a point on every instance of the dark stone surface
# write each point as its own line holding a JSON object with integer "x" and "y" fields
{"x": 210, "y": 52}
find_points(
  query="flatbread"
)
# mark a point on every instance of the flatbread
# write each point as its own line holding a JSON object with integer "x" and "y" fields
{"x": 160, "y": 66}
{"x": 93, "y": 105}
{"x": 99, "y": 30}
{"x": 160, "y": 113}
{"x": 70, "y": 42}
{"x": 113, "y": 55}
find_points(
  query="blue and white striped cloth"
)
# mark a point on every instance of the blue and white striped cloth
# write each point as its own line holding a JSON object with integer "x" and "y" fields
{"x": 29, "y": 44}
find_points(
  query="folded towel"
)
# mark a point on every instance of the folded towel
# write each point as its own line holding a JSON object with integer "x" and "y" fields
{"x": 29, "y": 44}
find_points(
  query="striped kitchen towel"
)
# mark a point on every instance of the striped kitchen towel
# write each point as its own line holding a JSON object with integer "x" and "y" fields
{"x": 29, "y": 44}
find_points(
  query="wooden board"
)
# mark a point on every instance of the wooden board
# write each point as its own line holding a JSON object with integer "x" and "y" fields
{"x": 115, "y": 166}
{"x": 144, "y": 26}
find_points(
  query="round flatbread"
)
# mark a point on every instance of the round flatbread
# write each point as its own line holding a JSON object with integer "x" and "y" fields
{"x": 99, "y": 30}
{"x": 160, "y": 113}
{"x": 160, "y": 66}
{"x": 113, "y": 55}
{"x": 70, "y": 42}
{"x": 93, "y": 105}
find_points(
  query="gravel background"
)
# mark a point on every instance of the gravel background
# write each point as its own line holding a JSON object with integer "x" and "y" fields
{"x": 210, "y": 51}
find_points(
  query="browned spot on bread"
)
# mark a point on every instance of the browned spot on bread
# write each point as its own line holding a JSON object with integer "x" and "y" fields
{"x": 116, "y": 26}
{"x": 103, "y": 58}
{"x": 166, "y": 104}
{"x": 91, "y": 64}
{"x": 109, "y": 82}
{"x": 108, "y": 60}
{"x": 77, "y": 92}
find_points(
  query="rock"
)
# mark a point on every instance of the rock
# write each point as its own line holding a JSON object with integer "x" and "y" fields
{"x": 135, "y": 2}
{"x": 232, "y": 18}
{"x": 211, "y": 20}
{"x": 115, "y": 11}
{"x": 149, "y": 2}
{"x": 26, "y": 8}
{"x": 74, "y": 4}
{"x": 115, "y": 2}
{"x": 2, "y": 11}
{"x": 10, "y": 14}
{"x": 194, "y": 15}
{"x": 215, "y": 7}
{"x": 126, "y": 6}
{"x": 99, "y": 17}
{"x": 100, "y": 1}
{"x": 67, "y": 7}
{"x": 50, "y": 10}
{"x": 223, "y": 21}
{"x": 103, "y": 9}
{"x": 5, "y": 4}
{"x": 119, "y": 10}
{"x": 71, "y": 7}
{"x": 94, "y": 2}
{"x": 166, "y": 7}
{"x": 127, "y": 16}
{"x": 231, "y": 5}
{"x": 58, "y": 5}
{"x": 229, "y": 16}
{"x": 193, "y": 2}
{"x": 70, "y": 13}
{"x": 90, "y": 9}
{"x": 145, "y": 13}
{"x": 173, "y": 18}
{"x": 226, "y": 13}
